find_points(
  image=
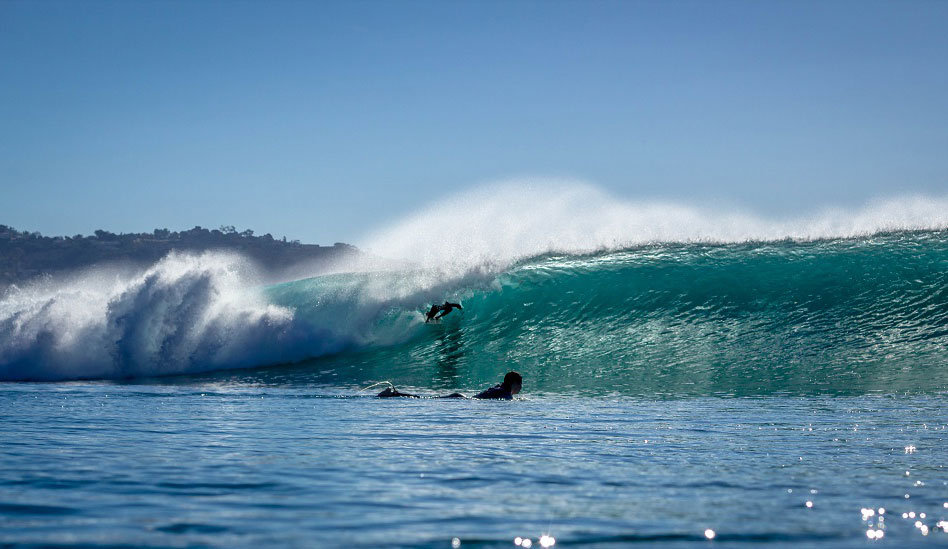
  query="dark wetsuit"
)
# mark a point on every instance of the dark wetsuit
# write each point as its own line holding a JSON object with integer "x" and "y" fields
{"x": 443, "y": 309}
{"x": 393, "y": 392}
{"x": 496, "y": 392}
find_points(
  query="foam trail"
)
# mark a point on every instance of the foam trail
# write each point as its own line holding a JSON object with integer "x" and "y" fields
{"x": 501, "y": 223}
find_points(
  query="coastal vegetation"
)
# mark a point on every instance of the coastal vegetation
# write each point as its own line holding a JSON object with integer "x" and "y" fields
{"x": 25, "y": 255}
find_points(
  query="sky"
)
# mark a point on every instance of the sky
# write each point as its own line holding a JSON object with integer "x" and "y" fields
{"x": 322, "y": 121}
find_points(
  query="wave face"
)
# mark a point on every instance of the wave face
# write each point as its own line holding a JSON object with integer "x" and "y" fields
{"x": 651, "y": 313}
{"x": 848, "y": 315}
{"x": 839, "y": 316}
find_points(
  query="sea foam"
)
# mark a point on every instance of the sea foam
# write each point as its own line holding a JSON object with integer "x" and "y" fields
{"x": 186, "y": 313}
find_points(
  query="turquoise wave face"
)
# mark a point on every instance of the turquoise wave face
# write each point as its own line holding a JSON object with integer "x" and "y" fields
{"x": 832, "y": 316}
{"x": 841, "y": 317}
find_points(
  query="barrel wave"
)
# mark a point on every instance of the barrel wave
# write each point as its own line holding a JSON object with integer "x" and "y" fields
{"x": 844, "y": 316}
{"x": 637, "y": 299}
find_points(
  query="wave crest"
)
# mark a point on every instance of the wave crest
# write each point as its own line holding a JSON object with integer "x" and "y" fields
{"x": 501, "y": 223}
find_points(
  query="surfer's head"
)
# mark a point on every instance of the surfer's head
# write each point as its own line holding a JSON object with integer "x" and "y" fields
{"x": 513, "y": 382}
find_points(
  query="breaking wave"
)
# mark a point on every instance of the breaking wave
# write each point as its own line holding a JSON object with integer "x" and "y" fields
{"x": 577, "y": 290}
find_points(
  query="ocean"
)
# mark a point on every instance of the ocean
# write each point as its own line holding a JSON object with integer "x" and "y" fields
{"x": 723, "y": 390}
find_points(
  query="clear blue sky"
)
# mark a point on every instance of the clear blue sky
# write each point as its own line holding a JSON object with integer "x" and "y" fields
{"x": 319, "y": 120}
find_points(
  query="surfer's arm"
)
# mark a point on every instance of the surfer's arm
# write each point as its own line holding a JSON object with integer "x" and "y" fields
{"x": 447, "y": 309}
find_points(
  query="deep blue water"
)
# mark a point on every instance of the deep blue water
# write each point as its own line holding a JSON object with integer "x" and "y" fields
{"x": 225, "y": 463}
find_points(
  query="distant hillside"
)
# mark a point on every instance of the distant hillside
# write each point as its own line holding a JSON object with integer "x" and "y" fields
{"x": 24, "y": 255}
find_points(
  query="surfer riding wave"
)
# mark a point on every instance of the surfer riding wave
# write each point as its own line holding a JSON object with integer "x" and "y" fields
{"x": 443, "y": 309}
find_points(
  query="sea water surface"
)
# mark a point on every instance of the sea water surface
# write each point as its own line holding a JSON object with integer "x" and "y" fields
{"x": 236, "y": 463}
{"x": 724, "y": 389}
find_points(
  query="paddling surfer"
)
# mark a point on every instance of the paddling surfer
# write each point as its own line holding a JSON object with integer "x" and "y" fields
{"x": 512, "y": 384}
